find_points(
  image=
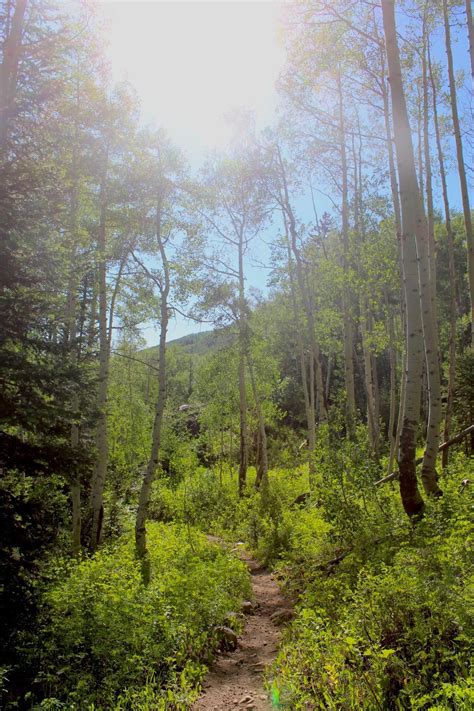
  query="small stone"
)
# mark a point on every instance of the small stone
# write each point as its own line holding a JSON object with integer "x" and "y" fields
{"x": 247, "y": 607}
{"x": 284, "y": 614}
{"x": 262, "y": 697}
{"x": 227, "y": 637}
{"x": 245, "y": 699}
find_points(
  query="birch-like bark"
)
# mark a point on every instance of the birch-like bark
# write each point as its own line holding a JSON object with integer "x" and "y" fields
{"x": 150, "y": 471}
{"x": 314, "y": 361}
{"x": 309, "y": 406}
{"x": 393, "y": 385}
{"x": 470, "y": 36}
{"x": 398, "y": 227}
{"x": 372, "y": 418}
{"x": 427, "y": 274}
{"x": 460, "y": 160}
{"x": 375, "y": 379}
{"x": 316, "y": 384}
{"x": 262, "y": 468}
{"x": 73, "y": 283}
{"x": 92, "y": 329}
{"x": 100, "y": 472}
{"x": 409, "y": 192}
{"x": 371, "y": 386}
{"x": 348, "y": 334}
{"x": 451, "y": 271}
{"x": 243, "y": 345}
{"x": 429, "y": 180}
{"x": 74, "y": 433}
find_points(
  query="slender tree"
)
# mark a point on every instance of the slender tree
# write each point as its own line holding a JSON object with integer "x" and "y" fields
{"x": 460, "y": 159}
{"x": 410, "y": 203}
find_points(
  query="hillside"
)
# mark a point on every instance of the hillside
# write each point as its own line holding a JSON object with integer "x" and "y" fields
{"x": 197, "y": 344}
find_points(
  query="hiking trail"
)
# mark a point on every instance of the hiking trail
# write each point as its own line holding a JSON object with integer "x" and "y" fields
{"x": 235, "y": 679}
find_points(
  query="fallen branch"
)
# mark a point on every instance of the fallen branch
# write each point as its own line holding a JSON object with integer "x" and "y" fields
{"x": 454, "y": 440}
{"x": 135, "y": 360}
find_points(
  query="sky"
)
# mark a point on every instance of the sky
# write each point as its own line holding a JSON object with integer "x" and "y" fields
{"x": 191, "y": 63}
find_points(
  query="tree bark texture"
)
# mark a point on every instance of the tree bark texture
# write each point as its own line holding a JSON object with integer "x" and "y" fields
{"x": 451, "y": 272}
{"x": 409, "y": 200}
{"x": 150, "y": 471}
{"x": 100, "y": 472}
{"x": 348, "y": 331}
{"x": 460, "y": 160}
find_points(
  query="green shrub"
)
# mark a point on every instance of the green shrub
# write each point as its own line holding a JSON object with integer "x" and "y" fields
{"x": 388, "y": 625}
{"x": 107, "y": 634}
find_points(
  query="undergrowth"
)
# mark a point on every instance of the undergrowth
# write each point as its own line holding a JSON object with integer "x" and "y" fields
{"x": 384, "y": 608}
{"x": 109, "y": 642}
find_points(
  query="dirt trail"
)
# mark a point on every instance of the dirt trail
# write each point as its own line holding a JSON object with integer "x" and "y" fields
{"x": 235, "y": 680}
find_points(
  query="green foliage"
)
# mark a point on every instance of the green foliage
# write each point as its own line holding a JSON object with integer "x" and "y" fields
{"x": 386, "y": 622}
{"x": 384, "y": 618}
{"x": 109, "y": 640}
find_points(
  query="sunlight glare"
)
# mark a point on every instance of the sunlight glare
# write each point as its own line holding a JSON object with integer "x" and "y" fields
{"x": 193, "y": 62}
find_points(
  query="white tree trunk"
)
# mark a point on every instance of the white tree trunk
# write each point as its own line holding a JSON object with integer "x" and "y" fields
{"x": 149, "y": 474}
{"x": 460, "y": 161}
{"x": 409, "y": 194}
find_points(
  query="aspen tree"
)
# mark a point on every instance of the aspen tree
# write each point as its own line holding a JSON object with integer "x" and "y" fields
{"x": 164, "y": 285}
{"x": 409, "y": 200}
{"x": 460, "y": 159}
{"x": 451, "y": 272}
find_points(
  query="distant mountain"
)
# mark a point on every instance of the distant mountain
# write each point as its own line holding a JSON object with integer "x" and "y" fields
{"x": 198, "y": 344}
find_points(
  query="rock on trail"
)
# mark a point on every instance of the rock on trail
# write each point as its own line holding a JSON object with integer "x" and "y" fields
{"x": 235, "y": 680}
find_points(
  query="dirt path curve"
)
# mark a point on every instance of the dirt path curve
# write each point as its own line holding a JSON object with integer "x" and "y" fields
{"x": 235, "y": 680}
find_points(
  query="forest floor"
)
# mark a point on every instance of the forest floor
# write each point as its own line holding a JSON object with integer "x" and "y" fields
{"x": 235, "y": 680}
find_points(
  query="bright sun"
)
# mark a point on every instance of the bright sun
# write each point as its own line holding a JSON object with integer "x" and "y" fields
{"x": 192, "y": 62}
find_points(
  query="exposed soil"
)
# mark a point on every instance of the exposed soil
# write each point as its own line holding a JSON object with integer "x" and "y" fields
{"x": 235, "y": 680}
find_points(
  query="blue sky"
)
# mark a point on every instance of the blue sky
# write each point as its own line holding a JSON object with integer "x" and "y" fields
{"x": 193, "y": 62}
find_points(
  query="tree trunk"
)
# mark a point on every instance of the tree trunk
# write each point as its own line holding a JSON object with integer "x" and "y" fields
{"x": 375, "y": 379}
{"x": 427, "y": 276}
{"x": 73, "y": 355}
{"x": 73, "y": 284}
{"x": 98, "y": 481}
{"x": 309, "y": 411}
{"x": 262, "y": 468}
{"x": 348, "y": 334}
{"x": 429, "y": 181}
{"x": 451, "y": 271}
{"x": 460, "y": 160}
{"x": 371, "y": 386}
{"x": 315, "y": 379}
{"x": 470, "y": 35}
{"x": 9, "y": 70}
{"x": 243, "y": 344}
{"x": 398, "y": 227}
{"x": 409, "y": 194}
{"x": 91, "y": 335}
{"x": 372, "y": 420}
{"x": 149, "y": 475}
{"x": 393, "y": 386}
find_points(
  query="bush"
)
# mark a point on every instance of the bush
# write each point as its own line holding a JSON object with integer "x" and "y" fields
{"x": 111, "y": 640}
{"x": 389, "y": 625}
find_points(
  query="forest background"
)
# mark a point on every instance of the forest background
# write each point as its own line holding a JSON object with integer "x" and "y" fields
{"x": 297, "y": 424}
